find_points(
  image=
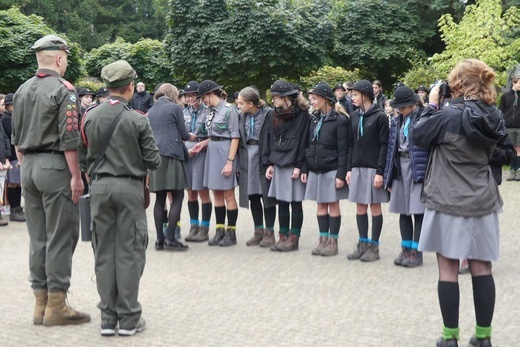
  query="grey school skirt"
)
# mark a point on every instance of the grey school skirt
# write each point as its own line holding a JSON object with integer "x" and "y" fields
{"x": 285, "y": 188}
{"x": 458, "y": 237}
{"x": 405, "y": 197}
{"x": 171, "y": 175}
{"x": 216, "y": 158}
{"x": 253, "y": 170}
{"x": 196, "y": 169}
{"x": 322, "y": 188}
{"x": 362, "y": 189}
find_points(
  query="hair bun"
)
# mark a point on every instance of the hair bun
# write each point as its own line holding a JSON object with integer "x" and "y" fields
{"x": 487, "y": 75}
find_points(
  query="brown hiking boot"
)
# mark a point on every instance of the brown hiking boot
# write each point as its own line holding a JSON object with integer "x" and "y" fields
{"x": 320, "y": 245}
{"x": 219, "y": 235}
{"x": 283, "y": 238}
{"x": 415, "y": 259}
{"x": 291, "y": 244}
{"x": 58, "y": 312}
{"x": 360, "y": 249}
{"x": 512, "y": 175}
{"x": 268, "y": 239}
{"x": 372, "y": 253}
{"x": 257, "y": 237}
{"x": 203, "y": 234}
{"x": 194, "y": 230}
{"x": 331, "y": 248}
{"x": 405, "y": 253}
{"x": 230, "y": 238}
{"x": 39, "y": 307}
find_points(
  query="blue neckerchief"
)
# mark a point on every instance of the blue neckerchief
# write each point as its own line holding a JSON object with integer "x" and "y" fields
{"x": 193, "y": 120}
{"x": 406, "y": 127}
{"x": 251, "y": 126}
{"x": 318, "y": 127}
{"x": 360, "y": 127}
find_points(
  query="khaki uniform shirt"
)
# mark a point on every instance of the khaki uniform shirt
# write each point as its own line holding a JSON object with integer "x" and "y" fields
{"x": 132, "y": 150}
{"x": 45, "y": 116}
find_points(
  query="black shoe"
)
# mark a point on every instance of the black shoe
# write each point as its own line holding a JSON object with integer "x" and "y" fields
{"x": 174, "y": 245}
{"x": 159, "y": 245}
{"x": 441, "y": 342}
{"x": 474, "y": 342}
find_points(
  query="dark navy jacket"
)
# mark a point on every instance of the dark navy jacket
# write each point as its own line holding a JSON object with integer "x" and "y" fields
{"x": 418, "y": 155}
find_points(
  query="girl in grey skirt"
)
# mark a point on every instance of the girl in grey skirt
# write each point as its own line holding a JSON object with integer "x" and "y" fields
{"x": 326, "y": 165}
{"x": 366, "y": 164}
{"x": 460, "y": 194}
{"x": 167, "y": 123}
{"x": 404, "y": 174}
{"x": 283, "y": 154}
{"x": 220, "y": 166}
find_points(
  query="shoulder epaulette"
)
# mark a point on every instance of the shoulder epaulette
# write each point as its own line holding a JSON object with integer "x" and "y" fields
{"x": 66, "y": 83}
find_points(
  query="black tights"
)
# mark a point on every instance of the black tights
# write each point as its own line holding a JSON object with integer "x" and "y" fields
{"x": 174, "y": 215}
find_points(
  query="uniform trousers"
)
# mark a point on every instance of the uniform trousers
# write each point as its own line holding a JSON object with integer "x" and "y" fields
{"x": 119, "y": 239}
{"x": 52, "y": 220}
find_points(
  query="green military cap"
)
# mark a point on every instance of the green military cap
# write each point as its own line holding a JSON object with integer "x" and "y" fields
{"x": 118, "y": 74}
{"x": 50, "y": 43}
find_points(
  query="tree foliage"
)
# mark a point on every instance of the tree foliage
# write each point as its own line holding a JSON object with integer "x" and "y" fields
{"x": 147, "y": 57}
{"x": 248, "y": 41}
{"x": 17, "y": 34}
{"x": 331, "y": 76}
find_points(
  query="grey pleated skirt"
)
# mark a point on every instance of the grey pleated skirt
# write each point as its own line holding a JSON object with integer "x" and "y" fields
{"x": 405, "y": 197}
{"x": 284, "y": 188}
{"x": 253, "y": 170}
{"x": 171, "y": 175}
{"x": 458, "y": 237}
{"x": 362, "y": 189}
{"x": 196, "y": 169}
{"x": 322, "y": 188}
{"x": 216, "y": 158}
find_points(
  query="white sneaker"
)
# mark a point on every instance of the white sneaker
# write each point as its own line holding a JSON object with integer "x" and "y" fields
{"x": 140, "y": 326}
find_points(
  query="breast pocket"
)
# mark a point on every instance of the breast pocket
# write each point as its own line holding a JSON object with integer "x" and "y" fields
{"x": 287, "y": 143}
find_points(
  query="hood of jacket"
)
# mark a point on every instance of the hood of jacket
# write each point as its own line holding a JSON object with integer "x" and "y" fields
{"x": 482, "y": 124}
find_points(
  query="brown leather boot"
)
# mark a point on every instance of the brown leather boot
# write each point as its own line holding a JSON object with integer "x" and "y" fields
{"x": 257, "y": 237}
{"x": 39, "y": 306}
{"x": 283, "y": 238}
{"x": 291, "y": 244}
{"x": 268, "y": 239}
{"x": 230, "y": 238}
{"x": 194, "y": 230}
{"x": 372, "y": 253}
{"x": 202, "y": 235}
{"x": 360, "y": 249}
{"x": 58, "y": 312}
{"x": 405, "y": 254}
{"x": 415, "y": 259}
{"x": 219, "y": 235}
{"x": 331, "y": 248}
{"x": 322, "y": 242}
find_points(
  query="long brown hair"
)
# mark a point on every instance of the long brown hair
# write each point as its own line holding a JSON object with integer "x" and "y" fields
{"x": 473, "y": 79}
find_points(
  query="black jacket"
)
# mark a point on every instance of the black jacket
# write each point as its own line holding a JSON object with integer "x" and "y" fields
{"x": 347, "y": 104}
{"x": 284, "y": 144}
{"x": 327, "y": 150}
{"x": 369, "y": 149}
{"x": 509, "y": 109}
{"x": 8, "y": 128}
{"x": 142, "y": 101}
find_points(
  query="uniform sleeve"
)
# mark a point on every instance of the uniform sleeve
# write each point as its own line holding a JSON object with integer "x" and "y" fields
{"x": 82, "y": 152}
{"x": 300, "y": 154}
{"x": 383, "y": 143}
{"x": 181, "y": 126}
{"x": 428, "y": 130}
{"x": 68, "y": 120}
{"x": 350, "y": 144}
{"x": 343, "y": 146}
{"x": 149, "y": 150}
{"x": 233, "y": 125}
{"x": 266, "y": 141}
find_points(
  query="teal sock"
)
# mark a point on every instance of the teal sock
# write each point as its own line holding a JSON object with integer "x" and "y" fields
{"x": 296, "y": 231}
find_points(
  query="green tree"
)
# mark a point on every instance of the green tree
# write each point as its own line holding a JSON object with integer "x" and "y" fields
{"x": 148, "y": 58}
{"x": 243, "y": 42}
{"x": 17, "y": 34}
{"x": 331, "y": 76}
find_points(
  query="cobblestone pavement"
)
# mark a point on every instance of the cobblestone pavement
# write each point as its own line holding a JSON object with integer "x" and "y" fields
{"x": 247, "y": 296}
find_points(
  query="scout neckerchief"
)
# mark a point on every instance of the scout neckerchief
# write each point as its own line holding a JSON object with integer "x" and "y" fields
{"x": 209, "y": 118}
{"x": 318, "y": 127}
{"x": 193, "y": 120}
{"x": 251, "y": 126}
{"x": 406, "y": 126}
{"x": 360, "y": 125}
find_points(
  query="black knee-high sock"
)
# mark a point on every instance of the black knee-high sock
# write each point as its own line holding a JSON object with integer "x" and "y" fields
{"x": 18, "y": 196}
{"x": 362, "y": 225}
{"x": 377, "y": 226}
{"x": 297, "y": 217}
{"x": 11, "y": 197}
{"x": 207, "y": 207}
{"x": 257, "y": 210}
{"x": 232, "y": 216}
{"x": 449, "y": 299}
{"x": 323, "y": 224}
{"x": 418, "y": 218}
{"x": 406, "y": 227}
{"x": 220, "y": 215}
{"x": 175, "y": 212}
{"x": 284, "y": 217}
{"x": 335, "y": 225}
{"x": 158, "y": 214}
{"x": 193, "y": 209}
{"x": 270, "y": 216}
{"x": 484, "y": 299}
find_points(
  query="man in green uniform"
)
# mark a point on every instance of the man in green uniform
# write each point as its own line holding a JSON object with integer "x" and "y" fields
{"x": 119, "y": 226}
{"x": 45, "y": 135}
